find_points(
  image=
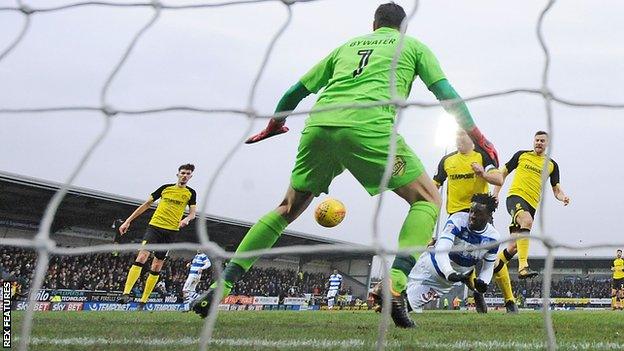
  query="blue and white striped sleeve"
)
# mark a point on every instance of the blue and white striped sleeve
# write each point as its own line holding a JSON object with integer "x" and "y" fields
{"x": 445, "y": 243}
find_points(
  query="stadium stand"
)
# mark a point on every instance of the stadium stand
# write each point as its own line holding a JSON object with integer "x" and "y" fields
{"x": 86, "y": 217}
{"x": 106, "y": 272}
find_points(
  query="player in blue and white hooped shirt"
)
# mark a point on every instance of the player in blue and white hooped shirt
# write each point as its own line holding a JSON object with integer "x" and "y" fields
{"x": 333, "y": 287}
{"x": 437, "y": 272}
{"x": 197, "y": 266}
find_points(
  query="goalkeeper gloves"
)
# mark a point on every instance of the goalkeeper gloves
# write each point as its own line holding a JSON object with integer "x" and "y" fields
{"x": 275, "y": 127}
{"x": 480, "y": 141}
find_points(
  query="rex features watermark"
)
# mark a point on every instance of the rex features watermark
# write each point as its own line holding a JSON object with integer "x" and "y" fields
{"x": 6, "y": 315}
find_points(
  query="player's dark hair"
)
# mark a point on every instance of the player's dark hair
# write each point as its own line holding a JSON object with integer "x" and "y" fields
{"x": 619, "y": 250}
{"x": 488, "y": 200}
{"x": 541, "y": 132}
{"x": 188, "y": 167}
{"x": 389, "y": 15}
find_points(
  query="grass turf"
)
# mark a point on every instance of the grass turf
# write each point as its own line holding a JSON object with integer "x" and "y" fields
{"x": 289, "y": 330}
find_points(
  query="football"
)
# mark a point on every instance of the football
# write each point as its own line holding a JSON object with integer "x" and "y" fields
{"x": 330, "y": 212}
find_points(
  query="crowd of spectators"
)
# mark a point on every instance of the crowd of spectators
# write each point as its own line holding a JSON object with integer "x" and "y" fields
{"x": 568, "y": 287}
{"x": 107, "y": 272}
{"x": 102, "y": 271}
{"x": 279, "y": 282}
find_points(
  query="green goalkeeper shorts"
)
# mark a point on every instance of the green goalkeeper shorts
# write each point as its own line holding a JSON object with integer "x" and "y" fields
{"x": 324, "y": 152}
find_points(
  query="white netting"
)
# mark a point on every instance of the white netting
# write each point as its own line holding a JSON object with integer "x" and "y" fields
{"x": 45, "y": 246}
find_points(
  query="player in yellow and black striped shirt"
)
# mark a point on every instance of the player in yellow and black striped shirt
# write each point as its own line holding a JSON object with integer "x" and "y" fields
{"x": 524, "y": 196}
{"x": 617, "y": 287}
{"x": 164, "y": 224}
{"x": 468, "y": 172}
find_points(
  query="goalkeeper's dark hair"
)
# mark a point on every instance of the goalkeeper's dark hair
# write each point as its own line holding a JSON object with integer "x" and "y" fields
{"x": 389, "y": 15}
{"x": 188, "y": 167}
{"x": 486, "y": 199}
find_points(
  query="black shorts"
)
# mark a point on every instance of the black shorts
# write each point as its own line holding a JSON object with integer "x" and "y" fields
{"x": 155, "y": 235}
{"x": 515, "y": 205}
{"x": 617, "y": 284}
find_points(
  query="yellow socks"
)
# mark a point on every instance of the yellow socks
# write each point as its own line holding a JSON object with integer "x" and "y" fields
{"x": 504, "y": 283}
{"x": 523, "y": 249}
{"x": 133, "y": 275}
{"x": 150, "y": 283}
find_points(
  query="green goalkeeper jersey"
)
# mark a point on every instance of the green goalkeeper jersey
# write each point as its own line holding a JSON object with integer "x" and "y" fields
{"x": 359, "y": 72}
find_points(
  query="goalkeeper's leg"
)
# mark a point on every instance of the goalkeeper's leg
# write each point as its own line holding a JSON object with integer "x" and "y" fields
{"x": 261, "y": 235}
{"x": 265, "y": 233}
{"x": 316, "y": 165}
{"x": 417, "y": 228}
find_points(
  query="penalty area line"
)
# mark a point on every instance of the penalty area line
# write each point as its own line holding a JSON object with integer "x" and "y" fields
{"x": 323, "y": 343}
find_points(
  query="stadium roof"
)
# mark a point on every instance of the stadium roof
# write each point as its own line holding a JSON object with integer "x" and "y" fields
{"x": 23, "y": 201}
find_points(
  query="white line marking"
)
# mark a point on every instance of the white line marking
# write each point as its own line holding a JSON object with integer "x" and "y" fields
{"x": 324, "y": 343}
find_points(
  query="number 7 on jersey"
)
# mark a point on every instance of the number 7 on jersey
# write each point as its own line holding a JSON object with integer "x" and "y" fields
{"x": 363, "y": 61}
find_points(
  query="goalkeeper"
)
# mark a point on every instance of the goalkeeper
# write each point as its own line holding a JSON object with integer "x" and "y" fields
{"x": 358, "y": 140}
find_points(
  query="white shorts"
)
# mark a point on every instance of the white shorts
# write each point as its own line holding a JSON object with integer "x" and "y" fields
{"x": 191, "y": 283}
{"x": 332, "y": 293}
{"x": 424, "y": 284}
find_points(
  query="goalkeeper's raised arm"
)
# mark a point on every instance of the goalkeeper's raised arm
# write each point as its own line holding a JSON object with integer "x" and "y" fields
{"x": 288, "y": 102}
{"x": 452, "y": 103}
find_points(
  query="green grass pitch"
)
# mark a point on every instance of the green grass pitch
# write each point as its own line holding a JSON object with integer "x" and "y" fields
{"x": 327, "y": 330}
